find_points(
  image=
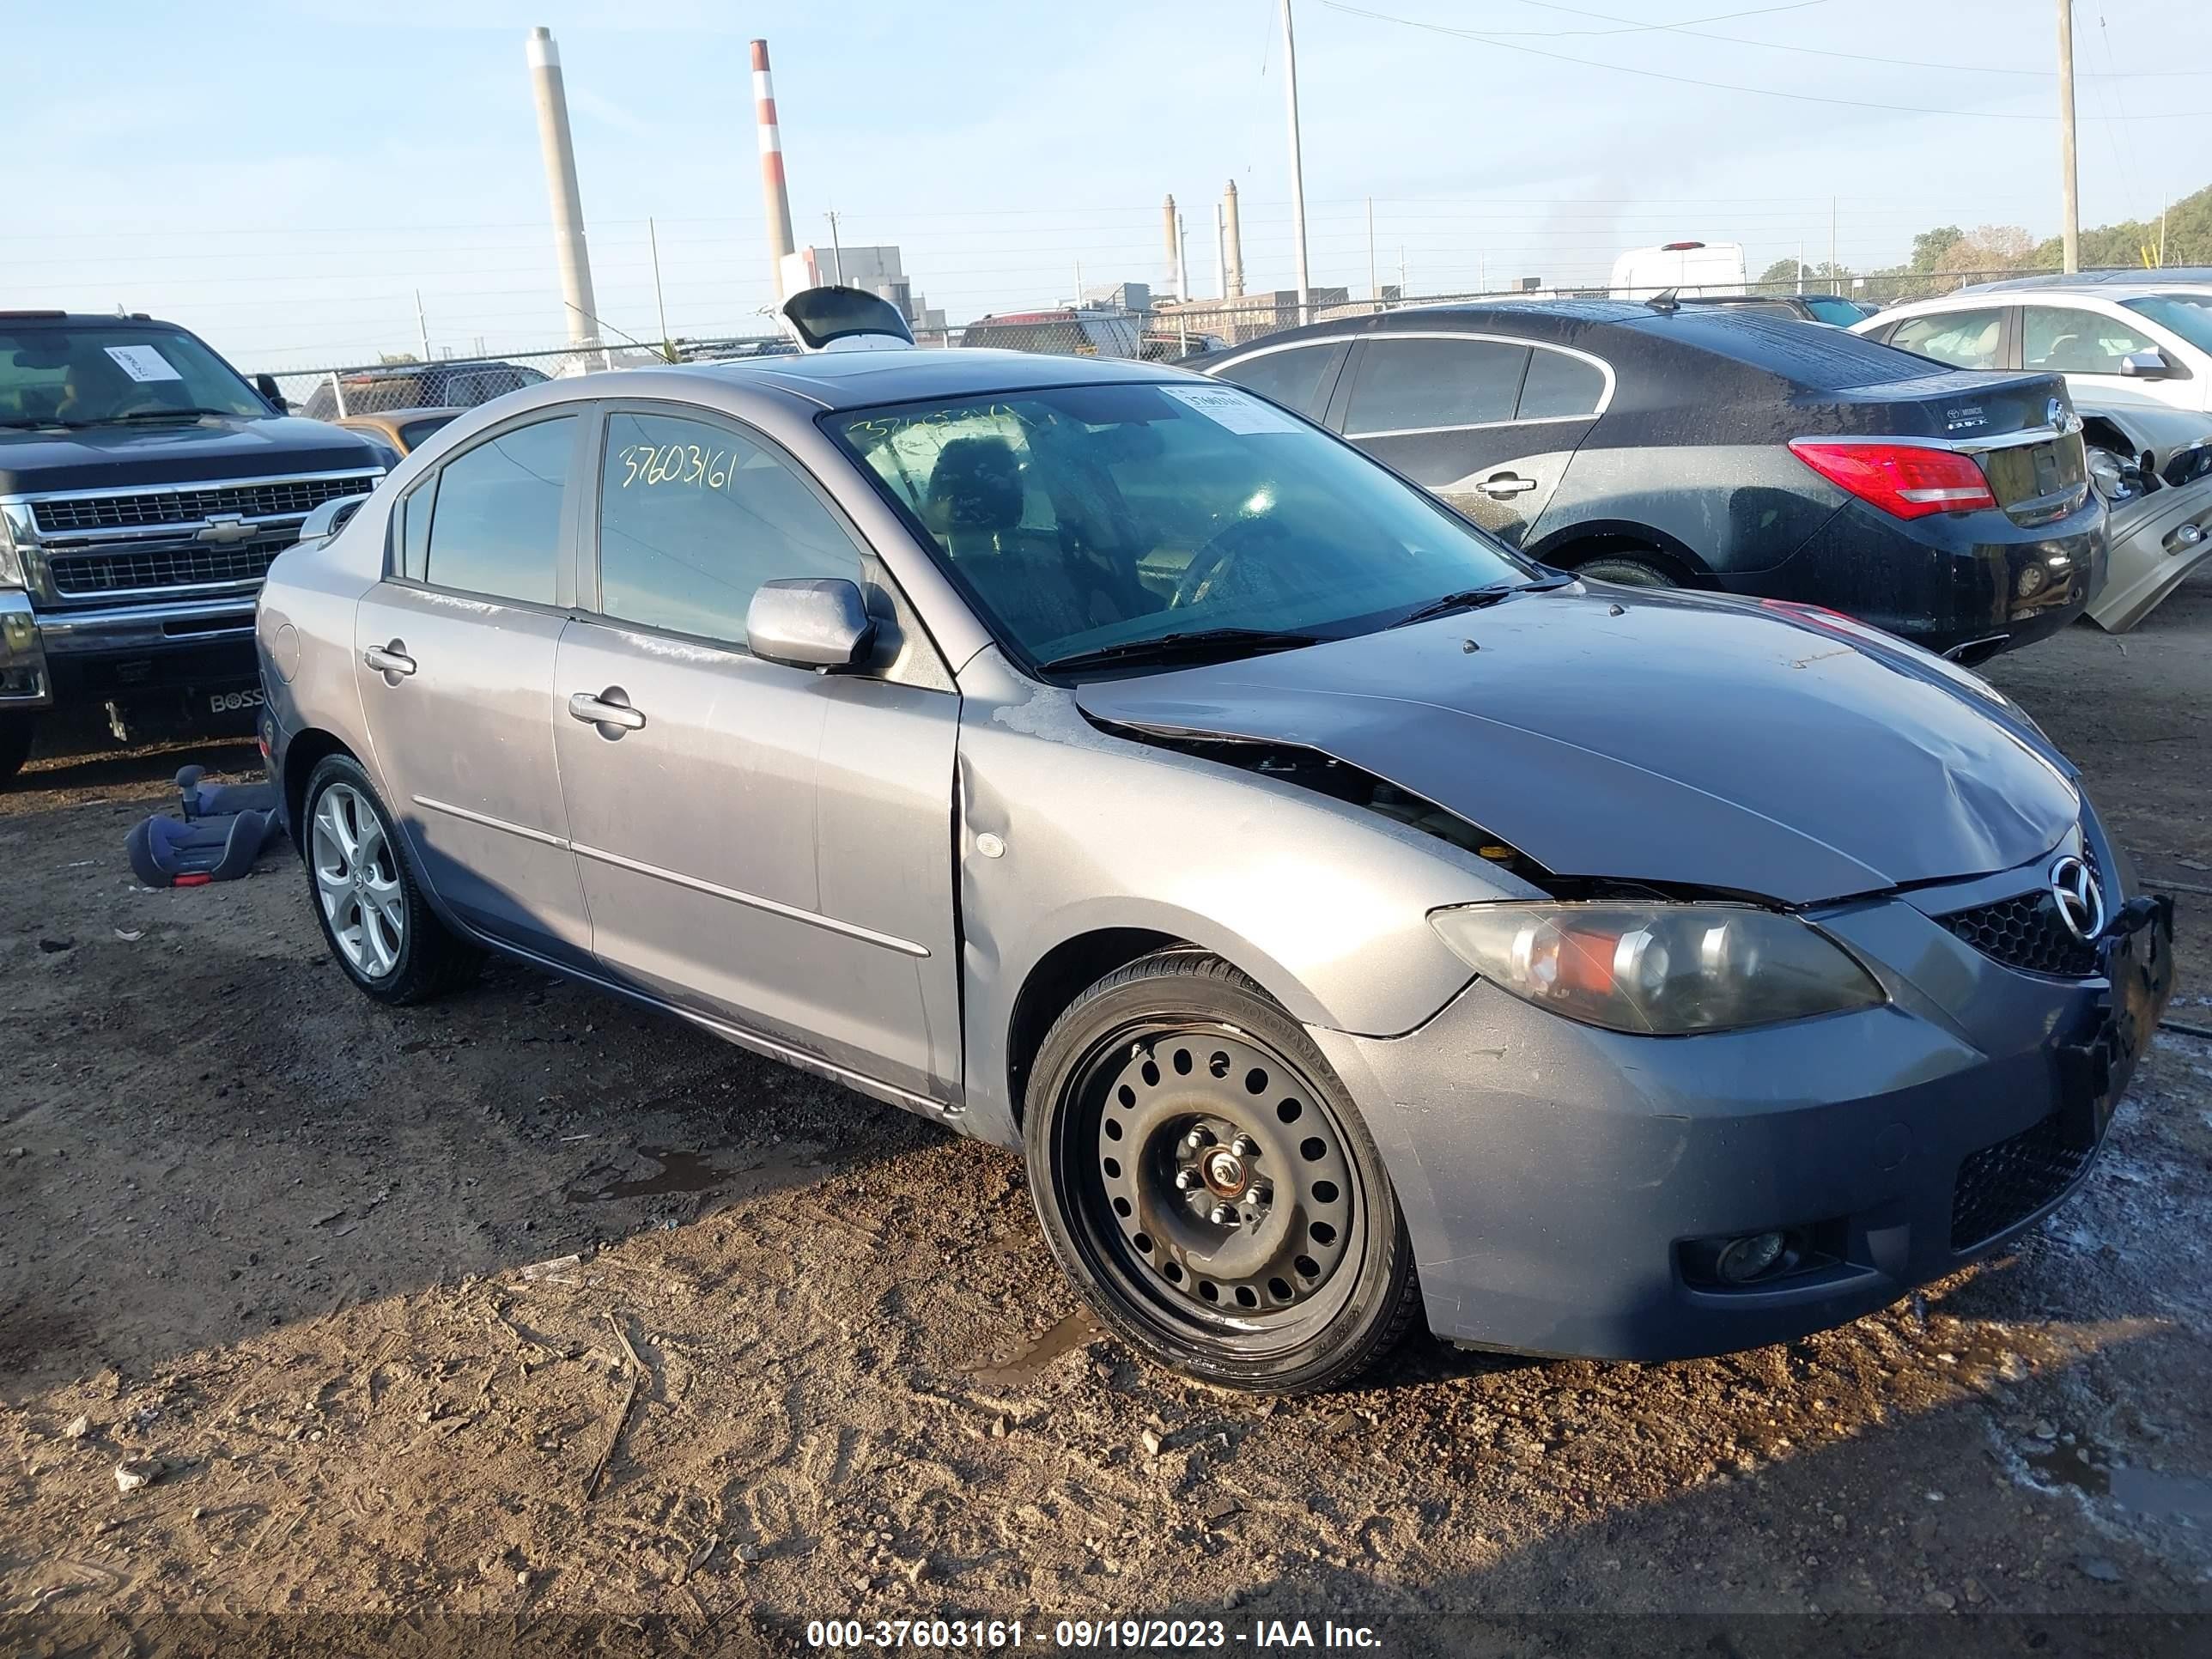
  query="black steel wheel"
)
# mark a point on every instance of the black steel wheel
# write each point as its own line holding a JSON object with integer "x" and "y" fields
{"x": 1206, "y": 1183}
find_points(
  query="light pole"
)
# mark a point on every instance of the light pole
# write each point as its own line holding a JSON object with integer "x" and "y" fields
{"x": 1297, "y": 166}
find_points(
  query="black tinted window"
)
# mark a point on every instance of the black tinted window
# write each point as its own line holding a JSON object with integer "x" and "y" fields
{"x": 497, "y": 527}
{"x": 1407, "y": 384}
{"x": 693, "y": 517}
{"x": 1300, "y": 378}
{"x": 1558, "y": 385}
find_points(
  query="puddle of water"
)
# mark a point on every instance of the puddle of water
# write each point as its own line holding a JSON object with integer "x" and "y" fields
{"x": 1078, "y": 1330}
{"x": 2069, "y": 1466}
{"x": 2147, "y": 1490}
{"x": 2163, "y": 1494}
{"x": 679, "y": 1172}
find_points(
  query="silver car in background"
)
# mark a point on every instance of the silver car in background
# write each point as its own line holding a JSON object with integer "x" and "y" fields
{"x": 1351, "y": 921}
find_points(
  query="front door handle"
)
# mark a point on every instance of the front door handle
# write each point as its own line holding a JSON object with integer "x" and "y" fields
{"x": 609, "y": 708}
{"x": 1503, "y": 486}
{"x": 389, "y": 659}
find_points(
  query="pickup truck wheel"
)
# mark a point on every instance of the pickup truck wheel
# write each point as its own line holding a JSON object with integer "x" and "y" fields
{"x": 16, "y": 731}
{"x": 1205, "y": 1180}
{"x": 365, "y": 894}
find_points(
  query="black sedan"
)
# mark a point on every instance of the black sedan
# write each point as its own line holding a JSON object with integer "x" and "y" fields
{"x": 1671, "y": 446}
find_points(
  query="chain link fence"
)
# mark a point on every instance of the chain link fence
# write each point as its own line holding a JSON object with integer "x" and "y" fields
{"x": 1167, "y": 332}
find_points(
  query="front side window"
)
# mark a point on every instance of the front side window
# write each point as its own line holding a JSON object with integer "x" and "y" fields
{"x": 1412, "y": 385}
{"x": 2189, "y": 315}
{"x": 694, "y": 517}
{"x": 1964, "y": 339}
{"x": 2068, "y": 340}
{"x": 115, "y": 374}
{"x": 1084, "y": 517}
{"x": 1299, "y": 377}
{"x": 497, "y": 527}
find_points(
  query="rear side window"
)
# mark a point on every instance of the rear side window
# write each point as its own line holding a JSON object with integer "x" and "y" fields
{"x": 1559, "y": 386}
{"x": 1298, "y": 378}
{"x": 2071, "y": 341}
{"x": 1964, "y": 339}
{"x": 693, "y": 517}
{"x": 497, "y": 529}
{"x": 1411, "y": 385}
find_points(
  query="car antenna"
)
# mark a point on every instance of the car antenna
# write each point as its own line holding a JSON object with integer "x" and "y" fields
{"x": 1664, "y": 302}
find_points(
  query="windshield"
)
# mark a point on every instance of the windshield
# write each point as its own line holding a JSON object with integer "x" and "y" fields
{"x": 1086, "y": 517}
{"x": 2189, "y": 315}
{"x": 94, "y": 374}
{"x": 1841, "y": 312}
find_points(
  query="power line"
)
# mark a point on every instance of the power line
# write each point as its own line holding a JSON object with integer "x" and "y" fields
{"x": 1717, "y": 86}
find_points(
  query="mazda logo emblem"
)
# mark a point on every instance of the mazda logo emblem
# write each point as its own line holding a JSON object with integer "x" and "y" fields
{"x": 2080, "y": 899}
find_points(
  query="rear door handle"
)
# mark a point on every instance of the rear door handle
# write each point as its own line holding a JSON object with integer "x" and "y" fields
{"x": 389, "y": 659}
{"x": 602, "y": 711}
{"x": 1503, "y": 486}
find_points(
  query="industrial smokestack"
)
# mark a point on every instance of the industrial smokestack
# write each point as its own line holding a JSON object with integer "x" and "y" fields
{"x": 1171, "y": 244}
{"x": 773, "y": 193}
{"x": 546, "y": 87}
{"x": 1235, "y": 236}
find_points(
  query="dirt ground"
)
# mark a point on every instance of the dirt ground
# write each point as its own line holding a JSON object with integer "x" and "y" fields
{"x": 527, "y": 1308}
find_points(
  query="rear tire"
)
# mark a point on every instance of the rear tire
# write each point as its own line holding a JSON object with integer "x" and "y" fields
{"x": 1206, "y": 1183}
{"x": 366, "y": 896}
{"x": 16, "y": 731}
{"x": 1626, "y": 570}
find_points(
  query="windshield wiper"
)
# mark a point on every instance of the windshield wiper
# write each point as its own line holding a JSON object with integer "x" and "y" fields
{"x": 1196, "y": 645}
{"x": 166, "y": 415}
{"x": 33, "y": 423}
{"x": 1474, "y": 598}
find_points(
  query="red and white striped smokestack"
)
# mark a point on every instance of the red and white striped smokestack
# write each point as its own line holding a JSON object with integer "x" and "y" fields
{"x": 777, "y": 199}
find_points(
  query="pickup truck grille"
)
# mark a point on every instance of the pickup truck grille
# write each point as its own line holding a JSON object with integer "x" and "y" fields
{"x": 122, "y": 570}
{"x": 188, "y": 504}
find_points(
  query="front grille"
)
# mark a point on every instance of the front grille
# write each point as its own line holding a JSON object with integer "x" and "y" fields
{"x": 279, "y": 498}
{"x": 2000, "y": 1186}
{"x": 2025, "y": 932}
{"x": 88, "y": 575}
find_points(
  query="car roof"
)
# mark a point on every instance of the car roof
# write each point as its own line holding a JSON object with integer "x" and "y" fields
{"x": 855, "y": 379}
{"x": 2147, "y": 279}
{"x": 400, "y": 416}
{"x": 403, "y": 371}
{"x": 136, "y": 319}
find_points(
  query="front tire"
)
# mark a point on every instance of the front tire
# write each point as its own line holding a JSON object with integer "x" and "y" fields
{"x": 365, "y": 898}
{"x": 17, "y": 733}
{"x": 1205, "y": 1180}
{"x": 1624, "y": 570}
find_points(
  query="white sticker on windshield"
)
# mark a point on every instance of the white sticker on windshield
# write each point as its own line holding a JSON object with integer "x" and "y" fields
{"x": 144, "y": 362}
{"x": 1240, "y": 411}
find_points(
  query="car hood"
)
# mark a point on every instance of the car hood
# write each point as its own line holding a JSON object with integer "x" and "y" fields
{"x": 125, "y": 457}
{"x": 1665, "y": 738}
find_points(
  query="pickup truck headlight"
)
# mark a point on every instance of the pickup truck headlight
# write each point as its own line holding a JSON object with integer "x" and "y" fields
{"x": 11, "y": 561}
{"x": 1657, "y": 968}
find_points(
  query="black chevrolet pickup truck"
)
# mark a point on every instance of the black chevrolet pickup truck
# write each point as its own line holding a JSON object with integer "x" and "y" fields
{"x": 144, "y": 487}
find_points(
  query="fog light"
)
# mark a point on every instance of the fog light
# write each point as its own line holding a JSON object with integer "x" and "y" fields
{"x": 1742, "y": 1260}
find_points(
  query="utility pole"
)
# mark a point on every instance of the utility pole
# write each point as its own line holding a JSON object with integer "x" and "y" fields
{"x": 1832, "y": 266}
{"x": 1297, "y": 166}
{"x": 2069, "y": 177}
{"x": 423, "y": 329}
{"x": 559, "y": 151}
{"x": 836, "y": 250}
{"x": 667, "y": 345}
{"x": 1801, "y": 267}
{"x": 1374, "y": 291}
{"x": 1220, "y": 252}
{"x": 1182, "y": 259}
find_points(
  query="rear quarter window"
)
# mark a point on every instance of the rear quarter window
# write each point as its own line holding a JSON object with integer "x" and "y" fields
{"x": 1812, "y": 359}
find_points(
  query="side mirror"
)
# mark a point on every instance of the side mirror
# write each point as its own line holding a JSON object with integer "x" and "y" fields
{"x": 810, "y": 622}
{"x": 266, "y": 386}
{"x": 2145, "y": 365}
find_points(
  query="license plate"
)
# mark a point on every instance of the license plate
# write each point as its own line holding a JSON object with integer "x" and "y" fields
{"x": 231, "y": 703}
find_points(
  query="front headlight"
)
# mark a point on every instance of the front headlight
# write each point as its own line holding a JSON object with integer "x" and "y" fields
{"x": 1658, "y": 969}
{"x": 11, "y": 561}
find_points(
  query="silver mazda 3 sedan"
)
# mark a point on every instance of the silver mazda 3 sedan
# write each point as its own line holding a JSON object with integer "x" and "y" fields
{"x": 1347, "y": 919}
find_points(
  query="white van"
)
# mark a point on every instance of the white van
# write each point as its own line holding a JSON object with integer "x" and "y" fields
{"x": 1693, "y": 267}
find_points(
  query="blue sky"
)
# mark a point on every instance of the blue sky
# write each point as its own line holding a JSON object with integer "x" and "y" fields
{"x": 285, "y": 178}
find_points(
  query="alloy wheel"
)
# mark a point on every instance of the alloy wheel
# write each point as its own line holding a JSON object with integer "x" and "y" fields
{"x": 357, "y": 881}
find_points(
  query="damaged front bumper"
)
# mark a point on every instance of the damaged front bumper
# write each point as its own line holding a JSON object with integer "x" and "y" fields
{"x": 1567, "y": 1188}
{"x": 2155, "y": 542}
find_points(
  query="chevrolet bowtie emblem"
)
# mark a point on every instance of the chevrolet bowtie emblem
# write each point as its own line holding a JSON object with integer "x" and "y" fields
{"x": 226, "y": 528}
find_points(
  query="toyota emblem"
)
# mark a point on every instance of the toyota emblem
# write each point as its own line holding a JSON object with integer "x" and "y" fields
{"x": 2080, "y": 899}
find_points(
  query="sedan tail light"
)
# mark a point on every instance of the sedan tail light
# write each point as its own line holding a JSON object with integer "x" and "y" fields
{"x": 1907, "y": 479}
